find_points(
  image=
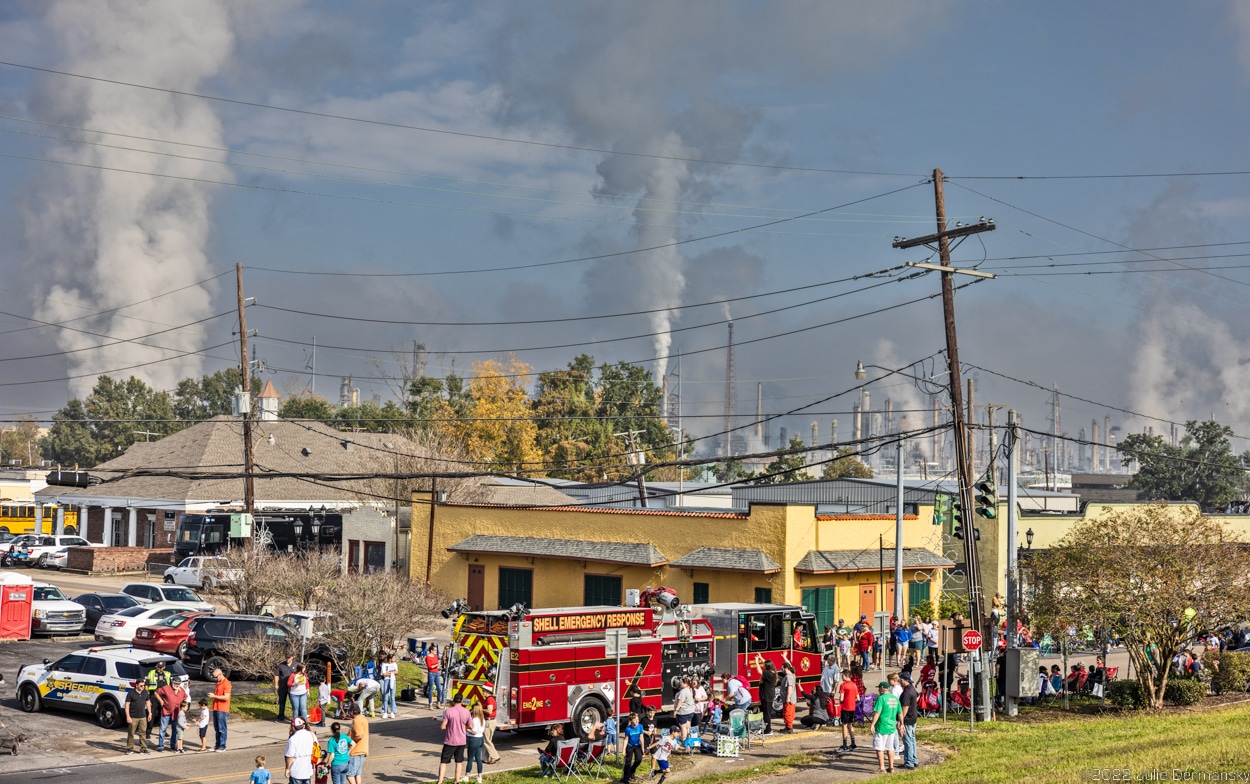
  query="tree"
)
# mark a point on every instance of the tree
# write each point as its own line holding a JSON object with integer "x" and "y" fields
{"x": 498, "y": 429}
{"x": 111, "y": 418}
{"x": 371, "y": 417}
{"x": 373, "y": 611}
{"x": 730, "y": 471}
{"x": 252, "y": 583}
{"x": 209, "y": 397}
{"x": 303, "y": 578}
{"x": 788, "y": 467}
{"x": 1158, "y": 576}
{"x": 307, "y": 407}
{"x": 21, "y": 443}
{"x": 846, "y": 464}
{"x": 1202, "y": 468}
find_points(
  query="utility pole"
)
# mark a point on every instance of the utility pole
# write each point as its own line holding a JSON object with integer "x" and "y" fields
{"x": 898, "y": 532}
{"x": 245, "y": 385}
{"x": 636, "y": 459}
{"x": 1012, "y": 443}
{"x": 963, "y": 465}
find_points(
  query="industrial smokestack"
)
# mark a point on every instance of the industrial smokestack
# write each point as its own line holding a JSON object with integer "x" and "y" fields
{"x": 833, "y": 432}
{"x": 759, "y": 412}
{"x": 1094, "y": 456}
{"x": 729, "y": 391}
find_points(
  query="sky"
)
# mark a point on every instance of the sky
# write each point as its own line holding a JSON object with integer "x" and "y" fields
{"x": 508, "y": 177}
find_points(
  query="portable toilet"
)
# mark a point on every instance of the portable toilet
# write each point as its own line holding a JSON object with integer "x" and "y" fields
{"x": 17, "y": 596}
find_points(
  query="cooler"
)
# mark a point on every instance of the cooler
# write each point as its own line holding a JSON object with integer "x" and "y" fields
{"x": 17, "y": 596}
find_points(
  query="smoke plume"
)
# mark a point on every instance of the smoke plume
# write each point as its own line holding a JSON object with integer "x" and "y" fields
{"x": 108, "y": 238}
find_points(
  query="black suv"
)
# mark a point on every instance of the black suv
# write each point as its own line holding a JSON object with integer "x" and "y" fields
{"x": 208, "y": 643}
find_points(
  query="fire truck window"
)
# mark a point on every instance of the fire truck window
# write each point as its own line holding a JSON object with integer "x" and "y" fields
{"x": 757, "y": 633}
{"x": 778, "y": 636}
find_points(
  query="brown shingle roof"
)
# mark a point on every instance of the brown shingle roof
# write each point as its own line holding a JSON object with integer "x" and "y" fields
{"x": 726, "y": 559}
{"x": 634, "y": 553}
{"x": 823, "y": 561}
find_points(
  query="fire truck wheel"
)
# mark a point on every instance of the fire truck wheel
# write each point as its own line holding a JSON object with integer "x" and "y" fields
{"x": 590, "y": 711}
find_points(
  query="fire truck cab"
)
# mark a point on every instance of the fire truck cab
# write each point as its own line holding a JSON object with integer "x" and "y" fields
{"x": 749, "y": 634}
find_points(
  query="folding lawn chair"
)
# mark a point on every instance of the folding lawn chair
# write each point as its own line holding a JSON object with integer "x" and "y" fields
{"x": 755, "y": 727}
{"x": 566, "y": 759}
{"x": 591, "y": 760}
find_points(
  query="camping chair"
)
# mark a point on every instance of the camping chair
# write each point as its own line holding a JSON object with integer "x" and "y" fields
{"x": 1110, "y": 676}
{"x": 1047, "y": 646}
{"x": 755, "y": 727}
{"x": 591, "y": 760}
{"x": 566, "y": 759}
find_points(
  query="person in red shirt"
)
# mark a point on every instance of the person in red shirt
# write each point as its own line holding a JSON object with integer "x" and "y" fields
{"x": 434, "y": 673}
{"x": 489, "y": 710}
{"x": 864, "y": 646}
{"x": 848, "y": 696}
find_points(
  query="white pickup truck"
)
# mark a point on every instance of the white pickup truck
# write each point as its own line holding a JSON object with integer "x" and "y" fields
{"x": 201, "y": 571}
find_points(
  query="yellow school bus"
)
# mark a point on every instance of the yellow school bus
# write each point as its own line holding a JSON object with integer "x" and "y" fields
{"x": 19, "y": 518}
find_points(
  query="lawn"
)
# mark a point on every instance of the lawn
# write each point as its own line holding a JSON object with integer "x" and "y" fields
{"x": 264, "y": 704}
{"x": 1068, "y": 749}
{"x": 612, "y": 771}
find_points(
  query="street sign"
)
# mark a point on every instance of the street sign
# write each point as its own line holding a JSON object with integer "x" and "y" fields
{"x": 972, "y": 640}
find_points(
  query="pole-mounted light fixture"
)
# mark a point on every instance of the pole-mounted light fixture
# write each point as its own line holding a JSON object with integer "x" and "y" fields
{"x": 1028, "y": 537}
{"x": 860, "y": 373}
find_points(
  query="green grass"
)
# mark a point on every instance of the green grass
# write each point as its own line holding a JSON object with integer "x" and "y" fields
{"x": 1062, "y": 749}
{"x": 612, "y": 771}
{"x": 262, "y": 706}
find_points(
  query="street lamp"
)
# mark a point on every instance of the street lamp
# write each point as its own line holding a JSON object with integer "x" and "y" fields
{"x": 1028, "y": 537}
{"x": 898, "y": 608}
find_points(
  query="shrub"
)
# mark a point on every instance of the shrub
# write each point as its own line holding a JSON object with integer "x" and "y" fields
{"x": 1126, "y": 694}
{"x": 1230, "y": 671}
{"x": 1185, "y": 691}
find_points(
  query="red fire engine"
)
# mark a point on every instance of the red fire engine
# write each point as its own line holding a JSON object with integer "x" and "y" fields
{"x": 561, "y": 664}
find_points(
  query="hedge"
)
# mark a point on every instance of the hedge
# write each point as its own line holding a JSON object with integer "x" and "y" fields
{"x": 1184, "y": 691}
{"x": 1126, "y": 694}
{"x": 1230, "y": 672}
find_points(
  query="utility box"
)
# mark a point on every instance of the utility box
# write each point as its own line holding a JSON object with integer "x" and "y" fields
{"x": 1022, "y": 675}
{"x": 17, "y": 596}
{"x": 241, "y": 526}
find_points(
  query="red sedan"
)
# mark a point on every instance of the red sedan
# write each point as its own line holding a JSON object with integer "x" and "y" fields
{"x": 168, "y": 636}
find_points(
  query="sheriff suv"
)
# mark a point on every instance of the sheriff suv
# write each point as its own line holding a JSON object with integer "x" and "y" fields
{"x": 91, "y": 680}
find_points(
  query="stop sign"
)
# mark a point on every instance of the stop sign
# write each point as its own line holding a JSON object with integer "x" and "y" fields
{"x": 972, "y": 640}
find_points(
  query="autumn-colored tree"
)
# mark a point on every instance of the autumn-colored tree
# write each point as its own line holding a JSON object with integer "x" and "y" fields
{"x": 847, "y": 465}
{"x": 499, "y": 429}
{"x": 1158, "y": 576}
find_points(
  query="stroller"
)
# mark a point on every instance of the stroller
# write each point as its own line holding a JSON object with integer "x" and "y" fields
{"x": 929, "y": 701}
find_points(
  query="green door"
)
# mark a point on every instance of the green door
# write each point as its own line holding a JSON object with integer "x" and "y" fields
{"x": 819, "y": 602}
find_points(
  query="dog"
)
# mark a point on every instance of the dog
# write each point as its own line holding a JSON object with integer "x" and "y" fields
{"x": 11, "y": 743}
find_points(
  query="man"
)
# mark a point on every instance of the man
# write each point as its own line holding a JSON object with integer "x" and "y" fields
{"x": 848, "y": 698}
{"x": 490, "y": 710}
{"x": 885, "y": 727}
{"x": 359, "y": 733}
{"x": 455, "y": 739}
{"x": 219, "y": 703}
{"x": 170, "y": 698}
{"x": 156, "y": 678}
{"x": 138, "y": 714}
{"x": 299, "y": 751}
{"x": 366, "y": 690}
{"x": 909, "y": 705}
{"x": 281, "y": 676}
{"x": 829, "y": 678}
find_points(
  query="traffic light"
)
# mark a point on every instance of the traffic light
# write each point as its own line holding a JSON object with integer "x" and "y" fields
{"x": 987, "y": 497}
{"x": 957, "y": 515}
{"x": 941, "y": 508}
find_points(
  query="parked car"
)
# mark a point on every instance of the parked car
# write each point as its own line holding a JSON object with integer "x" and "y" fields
{"x": 38, "y": 553}
{"x": 168, "y": 636}
{"x": 8, "y": 551}
{"x": 201, "y": 571}
{"x": 149, "y": 593}
{"x": 94, "y": 680}
{"x": 98, "y": 604}
{"x": 208, "y": 643}
{"x": 58, "y": 560}
{"x": 122, "y": 625}
{"x": 53, "y": 613}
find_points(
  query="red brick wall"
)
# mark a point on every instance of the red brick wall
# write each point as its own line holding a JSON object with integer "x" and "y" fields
{"x": 115, "y": 559}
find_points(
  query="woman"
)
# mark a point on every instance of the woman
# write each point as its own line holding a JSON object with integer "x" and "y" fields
{"x": 475, "y": 735}
{"x": 683, "y": 707}
{"x": 547, "y": 755}
{"x": 386, "y": 674}
{"x": 791, "y": 695}
{"x": 297, "y": 689}
{"x": 768, "y": 693}
{"x": 337, "y": 749}
{"x": 700, "y": 702}
{"x": 635, "y": 698}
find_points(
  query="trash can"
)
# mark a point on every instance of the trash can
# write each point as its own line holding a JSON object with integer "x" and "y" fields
{"x": 17, "y": 596}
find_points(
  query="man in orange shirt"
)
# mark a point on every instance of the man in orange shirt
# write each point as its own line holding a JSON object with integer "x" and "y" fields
{"x": 221, "y": 709}
{"x": 359, "y": 733}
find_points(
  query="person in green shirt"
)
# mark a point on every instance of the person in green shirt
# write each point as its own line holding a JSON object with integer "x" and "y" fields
{"x": 885, "y": 721}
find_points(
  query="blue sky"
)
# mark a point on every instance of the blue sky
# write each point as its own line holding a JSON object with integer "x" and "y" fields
{"x": 833, "y": 103}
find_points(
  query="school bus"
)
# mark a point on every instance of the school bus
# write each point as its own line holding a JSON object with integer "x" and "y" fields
{"x": 19, "y": 518}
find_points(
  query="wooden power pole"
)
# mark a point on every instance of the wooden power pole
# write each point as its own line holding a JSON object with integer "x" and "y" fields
{"x": 245, "y": 384}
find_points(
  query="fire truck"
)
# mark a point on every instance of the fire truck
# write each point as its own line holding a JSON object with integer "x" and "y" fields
{"x": 569, "y": 664}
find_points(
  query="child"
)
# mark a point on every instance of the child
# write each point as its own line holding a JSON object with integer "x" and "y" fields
{"x": 202, "y": 723}
{"x": 611, "y": 736}
{"x": 182, "y": 724}
{"x": 660, "y": 750}
{"x": 715, "y": 715}
{"x": 323, "y": 699}
{"x": 649, "y": 734}
{"x": 260, "y": 775}
{"x": 547, "y": 754}
{"x": 844, "y": 652}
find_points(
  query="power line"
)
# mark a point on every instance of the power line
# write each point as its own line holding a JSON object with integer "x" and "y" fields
{"x": 465, "y": 134}
{"x": 60, "y": 379}
{"x": 119, "y": 342}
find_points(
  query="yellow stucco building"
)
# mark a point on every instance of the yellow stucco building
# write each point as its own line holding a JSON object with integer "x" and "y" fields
{"x": 573, "y": 555}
